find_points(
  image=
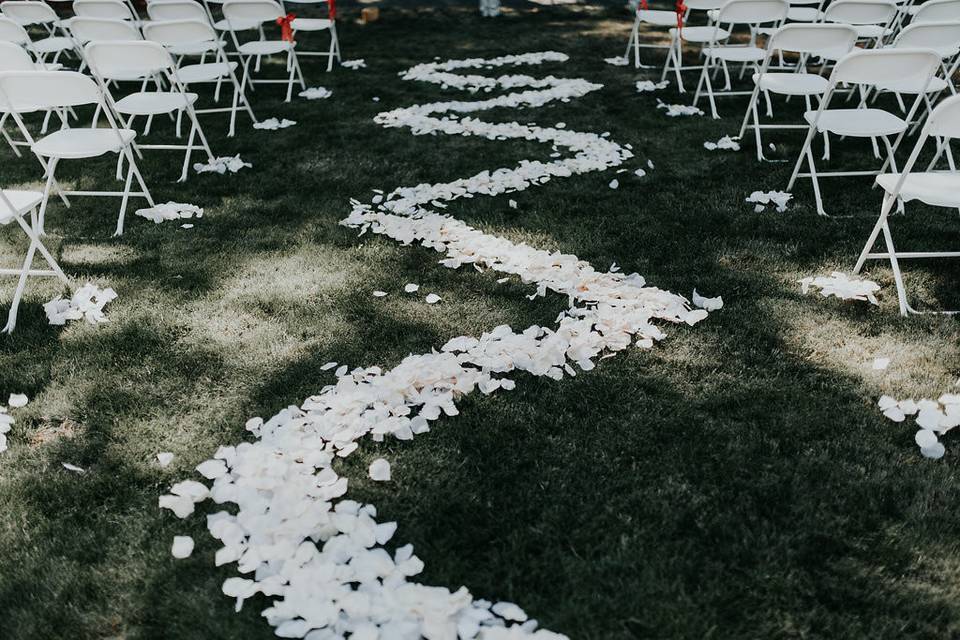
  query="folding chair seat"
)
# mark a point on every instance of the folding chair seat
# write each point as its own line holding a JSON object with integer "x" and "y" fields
{"x": 140, "y": 61}
{"x": 13, "y": 206}
{"x": 934, "y": 188}
{"x": 803, "y": 39}
{"x": 865, "y": 69}
{"x": 302, "y": 24}
{"x": 262, "y": 12}
{"x": 179, "y": 35}
{"x": 58, "y": 91}
{"x": 749, "y": 13}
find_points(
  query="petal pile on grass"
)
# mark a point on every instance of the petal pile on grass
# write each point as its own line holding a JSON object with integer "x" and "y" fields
{"x": 933, "y": 417}
{"x": 842, "y": 286}
{"x": 677, "y": 110}
{"x": 222, "y": 165}
{"x": 644, "y": 86}
{"x": 170, "y": 211}
{"x": 762, "y": 198}
{"x": 726, "y": 143}
{"x": 86, "y": 303}
{"x": 272, "y": 124}
{"x": 316, "y": 93}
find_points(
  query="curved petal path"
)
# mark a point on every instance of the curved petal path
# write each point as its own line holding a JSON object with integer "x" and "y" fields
{"x": 321, "y": 558}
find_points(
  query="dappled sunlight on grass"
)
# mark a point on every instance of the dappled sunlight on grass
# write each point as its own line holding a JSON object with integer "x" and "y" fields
{"x": 735, "y": 481}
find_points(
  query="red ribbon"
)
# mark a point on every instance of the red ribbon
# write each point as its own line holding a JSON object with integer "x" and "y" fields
{"x": 681, "y": 9}
{"x": 286, "y": 31}
{"x": 332, "y": 9}
{"x": 644, "y": 5}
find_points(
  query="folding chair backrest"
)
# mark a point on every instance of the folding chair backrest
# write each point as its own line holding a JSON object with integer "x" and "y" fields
{"x": 110, "y": 9}
{"x": 103, "y": 29}
{"x": 43, "y": 90}
{"x": 252, "y": 11}
{"x": 13, "y": 57}
{"x": 10, "y": 31}
{"x": 131, "y": 60}
{"x": 27, "y": 13}
{"x": 176, "y": 10}
{"x": 874, "y": 66}
{"x": 944, "y": 120}
{"x": 942, "y": 37}
{"x": 860, "y": 12}
{"x": 179, "y": 32}
{"x": 753, "y": 11}
{"x": 814, "y": 38}
{"x": 937, "y": 11}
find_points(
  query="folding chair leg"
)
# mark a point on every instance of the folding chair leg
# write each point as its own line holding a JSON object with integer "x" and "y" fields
{"x": 872, "y": 239}
{"x": 815, "y": 181}
{"x": 756, "y": 131}
{"x": 123, "y": 202}
{"x": 21, "y": 284}
{"x": 713, "y": 103}
{"x": 895, "y": 265}
{"x": 51, "y": 170}
{"x": 333, "y": 48}
{"x": 188, "y": 153}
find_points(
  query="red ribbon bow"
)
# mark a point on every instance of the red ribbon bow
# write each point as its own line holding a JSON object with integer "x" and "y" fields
{"x": 681, "y": 9}
{"x": 332, "y": 9}
{"x": 286, "y": 31}
{"x": 644, "y": 5}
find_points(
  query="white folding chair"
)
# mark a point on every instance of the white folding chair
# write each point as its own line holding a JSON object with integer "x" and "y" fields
{"x": 142, "y": 61}
{"x": 60, "y": 90}
{"x": 14, "y": 204}
{"x": 15, "y": 58}
{"x": 222, "y": 24}
{"x": 864, "y": 68}
{"x": 654, "y": 18}
{"x": 935, "y": 188}
{"x": 935, "y": 11}
{"x": 694, "y": 35}
{"x": 804, "y": 39}
{"x": 871, "y": 18}
{"x": 109, "y": 9}
{"x": 180, "y": 35}
{"x": 751, "y": 13}
{"x": 243, "y": 12}
{"x": 84, "y": 29}
{"x": 28, "y": 13}
{"x": 318, "y": 24}
{"x": 942, "y": 37}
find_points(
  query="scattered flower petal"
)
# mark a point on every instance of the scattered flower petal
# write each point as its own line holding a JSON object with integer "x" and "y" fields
{"x": 182, "y": 547}
{"x": 380, "y": 470}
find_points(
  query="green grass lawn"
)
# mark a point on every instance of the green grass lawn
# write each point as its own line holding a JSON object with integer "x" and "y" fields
{"x": 736, "y": 481}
